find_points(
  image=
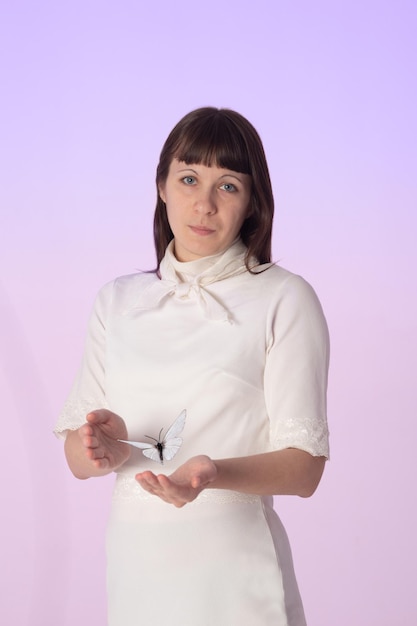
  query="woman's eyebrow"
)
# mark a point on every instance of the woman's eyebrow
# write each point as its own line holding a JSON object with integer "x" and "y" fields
{"x": 231, "y": 175}
{"x": 228, "y": 174}
{"x": 187, "y": 169}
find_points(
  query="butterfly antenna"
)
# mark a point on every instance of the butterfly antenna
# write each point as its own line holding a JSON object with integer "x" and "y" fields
{"x": 149, "y": 437}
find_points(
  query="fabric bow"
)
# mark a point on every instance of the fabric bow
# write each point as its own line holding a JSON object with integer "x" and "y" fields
{"x": 191, "y": 279}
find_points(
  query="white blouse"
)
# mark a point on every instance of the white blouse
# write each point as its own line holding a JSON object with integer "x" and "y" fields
{"x": 246, "y": 354}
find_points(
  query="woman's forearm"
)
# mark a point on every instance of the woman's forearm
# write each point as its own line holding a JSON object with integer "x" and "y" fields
{"x": 284, "y": 472}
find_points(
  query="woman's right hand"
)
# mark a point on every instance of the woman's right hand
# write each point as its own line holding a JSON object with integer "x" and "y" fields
{"x": 94, "y": 449}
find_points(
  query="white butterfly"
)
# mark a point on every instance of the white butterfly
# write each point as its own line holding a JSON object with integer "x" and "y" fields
{"x": 166, "y": 449}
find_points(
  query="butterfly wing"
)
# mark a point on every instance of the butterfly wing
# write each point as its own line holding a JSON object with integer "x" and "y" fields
{"x": 138, "y": 444}
{"x": 177, "y": 427}
{"x": 172, "y": 443}
{"x": 171, "y": 447}
{"x": 153, "y": 454}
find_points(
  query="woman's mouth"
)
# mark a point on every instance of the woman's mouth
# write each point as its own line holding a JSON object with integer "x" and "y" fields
{"x": 203, "y": 231}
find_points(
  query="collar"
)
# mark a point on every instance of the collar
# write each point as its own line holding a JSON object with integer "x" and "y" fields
{"x": 187, "y": 280}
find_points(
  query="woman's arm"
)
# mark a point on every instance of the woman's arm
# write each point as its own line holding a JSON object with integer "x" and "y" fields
{"x": 94, "y": 449}
{"x": 282, "y": 472}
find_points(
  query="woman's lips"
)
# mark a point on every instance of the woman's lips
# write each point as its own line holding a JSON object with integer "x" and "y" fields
{"x": 202, "y": 230}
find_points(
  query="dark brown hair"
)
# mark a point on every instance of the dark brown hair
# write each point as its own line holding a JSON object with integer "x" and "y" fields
{"x": 222, "y": 138}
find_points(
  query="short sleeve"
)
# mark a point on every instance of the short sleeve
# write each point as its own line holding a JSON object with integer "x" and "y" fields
{"x": 296, "y": 370}
{"x": 88, "y": 390}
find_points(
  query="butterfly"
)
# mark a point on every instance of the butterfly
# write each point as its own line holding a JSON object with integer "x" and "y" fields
{"x": 166, "y": 449}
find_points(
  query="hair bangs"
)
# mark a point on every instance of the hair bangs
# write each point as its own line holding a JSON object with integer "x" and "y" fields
{"x": 214, "y": 143}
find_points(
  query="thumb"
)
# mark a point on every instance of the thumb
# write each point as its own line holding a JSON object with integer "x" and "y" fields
{"x": 196, "y": 481}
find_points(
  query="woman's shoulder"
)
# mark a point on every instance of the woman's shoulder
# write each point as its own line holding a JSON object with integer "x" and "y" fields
{"x": 279, "y": 279}
{"x": 135, "y": 281}
{"x": 122, "y": 290}
{"x": 286, "y": 290}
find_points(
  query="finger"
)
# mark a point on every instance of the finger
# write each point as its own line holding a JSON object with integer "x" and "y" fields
{"x": 147, "y": 487}
{"x": 85, "y": 430}
{"x": 101, "y": 463}
{"x": 147, "y": 480}
{"x": 99, "y": 416}
{"x": 147, "y": 476}
{"x": 95, "y": 454}
{"x": 164, "y": 481}
{"x": 90, "y": 441}
{"x": 166, "y": 491}
{"x": 173, "y": 492}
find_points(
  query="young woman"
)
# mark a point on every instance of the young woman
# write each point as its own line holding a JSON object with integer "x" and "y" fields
{"x": 216, "y": 363}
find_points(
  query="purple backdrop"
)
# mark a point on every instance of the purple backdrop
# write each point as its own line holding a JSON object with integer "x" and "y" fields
{"x": 89, "y": 92}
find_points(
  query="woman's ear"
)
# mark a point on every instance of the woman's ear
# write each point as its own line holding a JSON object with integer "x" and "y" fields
{"x": 250, "y": 211}
{"x": 161, "y": 193}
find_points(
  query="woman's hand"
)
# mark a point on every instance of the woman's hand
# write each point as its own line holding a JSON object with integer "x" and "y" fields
{"x": 282, "y": 472}
{"x": 183, "y": 485}
{"x": 94, "y": 449}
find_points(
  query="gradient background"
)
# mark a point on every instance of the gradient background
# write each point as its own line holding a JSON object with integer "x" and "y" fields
{"x": 89, "y": 92}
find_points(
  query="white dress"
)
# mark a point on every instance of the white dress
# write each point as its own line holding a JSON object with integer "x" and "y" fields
{"x": 247, "y": 356}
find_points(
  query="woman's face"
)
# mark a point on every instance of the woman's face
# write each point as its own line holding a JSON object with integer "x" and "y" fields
{"x": 206, "y": 207}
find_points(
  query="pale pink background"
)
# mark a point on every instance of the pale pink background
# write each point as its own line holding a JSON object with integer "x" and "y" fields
{"x": 89, "y": 91}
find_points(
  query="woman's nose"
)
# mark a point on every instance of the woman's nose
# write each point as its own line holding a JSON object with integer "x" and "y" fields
{"x": 206, "y": 202}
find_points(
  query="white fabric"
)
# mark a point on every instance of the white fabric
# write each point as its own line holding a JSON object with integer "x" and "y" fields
{"x": 178, "y": 280}
{"x": 251, "y": 371}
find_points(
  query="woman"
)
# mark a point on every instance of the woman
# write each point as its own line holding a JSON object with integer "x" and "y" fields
{"x": 240, "y": 346}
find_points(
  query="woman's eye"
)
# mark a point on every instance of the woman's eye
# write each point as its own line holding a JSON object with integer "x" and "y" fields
{"x": 189, "y": 180}
{"x": 228, "y": 187}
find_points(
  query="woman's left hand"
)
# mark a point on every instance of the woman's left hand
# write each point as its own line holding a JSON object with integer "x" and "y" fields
{"x": 183, "y": 485}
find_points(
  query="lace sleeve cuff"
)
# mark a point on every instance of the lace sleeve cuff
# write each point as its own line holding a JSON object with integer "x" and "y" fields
{"x": 74, "y": 414}
{"x": 312, "y": 437}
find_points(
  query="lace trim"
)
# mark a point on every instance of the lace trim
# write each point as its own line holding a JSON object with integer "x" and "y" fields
{"x": 74, "y": 413}
{"x": 312, "y": 436}
{"x": 127, "y": 489}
